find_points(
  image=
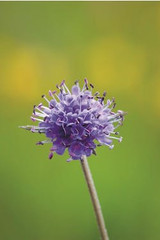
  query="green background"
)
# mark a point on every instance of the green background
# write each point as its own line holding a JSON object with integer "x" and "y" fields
{"x": 116, "y": 45}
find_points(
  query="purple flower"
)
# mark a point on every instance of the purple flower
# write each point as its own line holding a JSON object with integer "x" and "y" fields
{"x": 78, "y": 120}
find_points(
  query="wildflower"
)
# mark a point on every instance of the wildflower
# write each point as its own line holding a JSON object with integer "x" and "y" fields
{"x": 76, "y": 120}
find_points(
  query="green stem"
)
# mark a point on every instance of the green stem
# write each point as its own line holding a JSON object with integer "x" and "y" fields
{"x": 94, "y": 198}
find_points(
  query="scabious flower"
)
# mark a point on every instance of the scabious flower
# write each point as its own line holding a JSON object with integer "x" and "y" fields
{"x": 77, "y": 120}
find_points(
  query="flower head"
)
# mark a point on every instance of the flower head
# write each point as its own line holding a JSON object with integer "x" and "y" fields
{"x": 77, "y": 120}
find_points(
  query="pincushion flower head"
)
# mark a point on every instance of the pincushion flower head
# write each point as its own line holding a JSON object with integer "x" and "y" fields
{"x": 78, "y": 120}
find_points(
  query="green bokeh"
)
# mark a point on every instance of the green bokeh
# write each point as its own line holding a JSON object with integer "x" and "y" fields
{"x": 116, "y": 46}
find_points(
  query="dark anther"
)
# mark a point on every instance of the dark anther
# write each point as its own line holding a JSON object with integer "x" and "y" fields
{"x": 86, "y": 81}
{"x": 106, "y": 133}
{"x": 43, "y": 96}
{"x": 76, "y": 81}
{"x": 114, "y": 105}
{"x": 104, "y": 94}
{"x": 94, "y": 152}
{"x": 98, "y": 116}
{"x": 116, "y": 133}
{"x": 34, "y": 109}
{"x": 102, "y": 99}
{"x": 62, "y": 83}
{"x": 97, "y": 93}
{"x": 39, "y": 143}
{"x": 91, "y": 85}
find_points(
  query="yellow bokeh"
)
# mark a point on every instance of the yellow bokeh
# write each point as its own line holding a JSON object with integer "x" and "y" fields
{"x": 117, "y": 63}
{"x": 28, "y": 71}
{"x": 21, "y": 74}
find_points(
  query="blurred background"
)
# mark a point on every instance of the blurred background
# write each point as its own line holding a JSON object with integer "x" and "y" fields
{"x": 116, "y": 45}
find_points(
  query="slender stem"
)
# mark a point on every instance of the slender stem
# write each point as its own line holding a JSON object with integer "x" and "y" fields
{"x": 94, "y": 198}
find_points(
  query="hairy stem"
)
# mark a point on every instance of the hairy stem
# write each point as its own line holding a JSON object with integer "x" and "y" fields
{"x": 94, "y": 198}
